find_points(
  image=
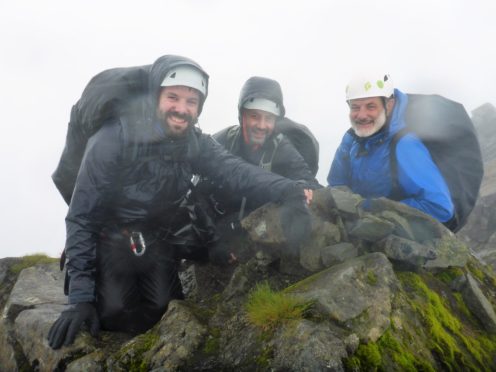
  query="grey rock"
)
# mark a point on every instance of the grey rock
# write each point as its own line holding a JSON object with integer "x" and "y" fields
{"x": 346, "y": 201}
{"x": 323, "y": 234}
{"x": 8, "y": 359}
{"x": 307, "y": 346}
{"x": 180, "y": 334}
{"x": 371, "y": 228}
{"x": 189, "y": 281}
{"x": 338, "y": 253}
{"x": 37, "y": 285}
{"x": 5, "y": 265}
{"x": 310, "y": 258}
{"x": 200, "y": 281}
{"x": 401, "y": 225}
{"x": 93, "y": 362}
{"x": 479, "y": 305}
{"x": 323, "y": 204}
{"x": 263, "y": 225}
{"x": 351, "y": 342}
{"x": 31, "y": 329}
{"x": 239, "y": 343}
{"x": 423, "y": 226}
{"x": 449, "y": 252}
{"x": 458, "y": 283}
{"x": 405, "y": 251}
{"x": 359, "y": 297}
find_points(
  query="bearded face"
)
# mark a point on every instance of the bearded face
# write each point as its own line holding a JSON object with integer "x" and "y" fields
{"x": 368, "y": 115}
{"x": 178, "y": 109}
{"x": 257, "y": 125}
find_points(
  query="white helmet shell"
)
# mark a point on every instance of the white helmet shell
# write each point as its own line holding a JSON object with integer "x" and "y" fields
{"x": 372, "y": 85}
{"x": 264, "y": 105}
{"x": 186, "y": 75}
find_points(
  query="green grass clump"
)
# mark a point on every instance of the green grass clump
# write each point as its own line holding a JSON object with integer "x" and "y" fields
{"x": 268, "y": 309}
{"x": 31, "y": 260}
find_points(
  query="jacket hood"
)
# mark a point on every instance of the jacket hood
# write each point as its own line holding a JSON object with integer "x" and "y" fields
{"x": 260, "y": 87}
{"x": 397, "y": 120}
{"x": 160, "y": 68}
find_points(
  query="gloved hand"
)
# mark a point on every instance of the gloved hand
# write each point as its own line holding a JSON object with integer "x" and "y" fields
{"x": 295, "y": 218}
{"x": 65, "y": 328}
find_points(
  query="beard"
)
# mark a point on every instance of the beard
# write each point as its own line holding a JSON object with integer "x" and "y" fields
{"x": 257, "y": 140}
{"x": 174, "y": 128}
{"x": 366, "y": 128}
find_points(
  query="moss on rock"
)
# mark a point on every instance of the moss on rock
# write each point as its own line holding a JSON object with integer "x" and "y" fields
{"x": 31, "y": 260}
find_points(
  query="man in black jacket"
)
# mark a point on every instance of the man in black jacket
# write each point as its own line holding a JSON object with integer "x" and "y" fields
{"x": 135, "y": 172}
{"x": 257, "y": 140}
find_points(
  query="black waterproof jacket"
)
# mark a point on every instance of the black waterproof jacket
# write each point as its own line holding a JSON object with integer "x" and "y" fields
{"x": 132, "y": 173}
{"x": 285, "y": 160}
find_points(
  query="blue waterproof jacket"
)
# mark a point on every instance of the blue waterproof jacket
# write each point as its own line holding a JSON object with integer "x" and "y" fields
{"x": 363, "y": 164}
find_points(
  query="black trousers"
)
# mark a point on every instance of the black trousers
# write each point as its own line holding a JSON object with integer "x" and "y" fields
{"x": 133, "y": 291}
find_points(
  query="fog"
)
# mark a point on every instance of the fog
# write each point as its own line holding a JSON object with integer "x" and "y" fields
{"x": 51, "y": 49}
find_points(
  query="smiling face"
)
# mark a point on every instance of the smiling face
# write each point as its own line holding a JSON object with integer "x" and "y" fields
{"x": 178, "y": 108}
{"x": 257, "y": 125}
{"x": 368, "y": 115}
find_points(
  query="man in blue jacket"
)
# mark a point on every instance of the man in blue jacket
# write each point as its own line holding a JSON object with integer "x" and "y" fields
{"x": 362, "y": 160}
{"x": 135, "y": 173}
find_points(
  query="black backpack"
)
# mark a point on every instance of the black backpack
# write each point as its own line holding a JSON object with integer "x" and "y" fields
{"x": 298, "y": 134}
{"x": 105, "y": 96}
{"x": 447, "y": 131}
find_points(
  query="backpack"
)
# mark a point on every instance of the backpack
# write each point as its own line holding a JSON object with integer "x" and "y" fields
{"x": 298, "y": 134}
{"x": 105, "y": 96}
{"x": 447, "y": 131}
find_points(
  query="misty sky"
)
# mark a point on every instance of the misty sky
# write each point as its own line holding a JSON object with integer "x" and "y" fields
{"x": 50, "y": 49}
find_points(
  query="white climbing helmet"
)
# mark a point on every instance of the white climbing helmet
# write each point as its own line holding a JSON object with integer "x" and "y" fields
{"x": 264, "y": 105}
{"x": 188, "y": 76}
{"x": 370, "y": 85}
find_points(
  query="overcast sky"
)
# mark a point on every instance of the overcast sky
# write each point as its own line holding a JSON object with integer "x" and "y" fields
{"x": 50, "y": 49}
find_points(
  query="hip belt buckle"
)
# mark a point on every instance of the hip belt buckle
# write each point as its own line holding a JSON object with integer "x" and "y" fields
{"x": 137, "y": 243}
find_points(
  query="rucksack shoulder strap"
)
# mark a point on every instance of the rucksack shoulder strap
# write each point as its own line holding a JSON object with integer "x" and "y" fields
{"x": 232, "y": 137}
{"x": 396, "y": 192}
{"x": 270, "y": 151}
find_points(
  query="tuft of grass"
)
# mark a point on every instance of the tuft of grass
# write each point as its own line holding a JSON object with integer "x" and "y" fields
{"x": 31, "y": 260}
{"x": 268, "y": 309}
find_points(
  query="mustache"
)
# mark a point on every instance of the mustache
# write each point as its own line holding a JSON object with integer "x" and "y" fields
{"x": 186, "y": 117}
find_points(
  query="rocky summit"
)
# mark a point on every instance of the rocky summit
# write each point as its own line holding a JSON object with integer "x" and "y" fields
{"x": 480, "y": 231}
{"x": 387, "y": 288}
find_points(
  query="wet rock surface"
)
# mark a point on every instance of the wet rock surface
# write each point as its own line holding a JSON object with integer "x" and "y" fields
{"x": 365, "y": 281}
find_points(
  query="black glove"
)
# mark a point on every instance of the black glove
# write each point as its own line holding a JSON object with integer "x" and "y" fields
{"x": 65, "y": 328}
{"x": 295, "y": 218}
